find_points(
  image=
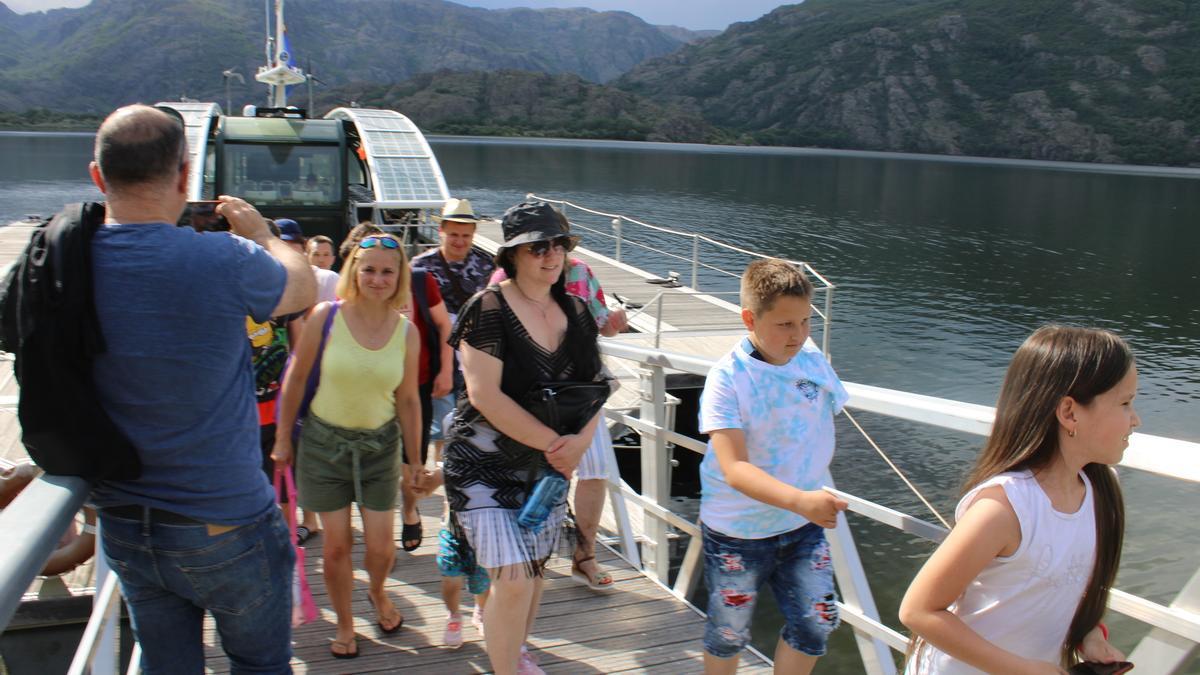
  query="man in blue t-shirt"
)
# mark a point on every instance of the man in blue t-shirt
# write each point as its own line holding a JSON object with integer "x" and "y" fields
{"x": 198, "y": 530}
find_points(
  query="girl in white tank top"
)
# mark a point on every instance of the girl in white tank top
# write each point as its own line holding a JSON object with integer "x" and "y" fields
{"x": 1021, "y": 582}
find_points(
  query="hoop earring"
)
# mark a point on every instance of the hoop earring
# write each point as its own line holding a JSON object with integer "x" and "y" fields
{"x": 1071, "y": 433}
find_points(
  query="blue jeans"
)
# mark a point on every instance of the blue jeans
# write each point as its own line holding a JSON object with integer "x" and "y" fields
{"x": 172, "y": 573}
{"x": 797, "y": 566}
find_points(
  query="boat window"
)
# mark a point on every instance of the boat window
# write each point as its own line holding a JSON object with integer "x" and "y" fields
{"x": 273, "y": 174}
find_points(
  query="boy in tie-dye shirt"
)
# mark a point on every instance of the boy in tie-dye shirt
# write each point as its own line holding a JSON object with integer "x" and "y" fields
{"x": 768, "y": 408}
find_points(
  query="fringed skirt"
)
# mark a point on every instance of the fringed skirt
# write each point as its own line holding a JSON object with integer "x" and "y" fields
{"x": 486, "y": 487}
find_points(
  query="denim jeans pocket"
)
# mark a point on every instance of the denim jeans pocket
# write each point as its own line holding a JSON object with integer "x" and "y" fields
{"x": 233, "y": 576}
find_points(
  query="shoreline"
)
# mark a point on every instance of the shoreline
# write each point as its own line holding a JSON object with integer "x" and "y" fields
{"x": 1150, "y": 170}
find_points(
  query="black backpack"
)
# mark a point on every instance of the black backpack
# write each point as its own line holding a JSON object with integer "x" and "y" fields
{"x": 48, "y": 321}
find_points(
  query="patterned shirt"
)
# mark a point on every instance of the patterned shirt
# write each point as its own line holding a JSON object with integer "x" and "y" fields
{"x": 786, "y": 413}
{"x": 457, "y": 281}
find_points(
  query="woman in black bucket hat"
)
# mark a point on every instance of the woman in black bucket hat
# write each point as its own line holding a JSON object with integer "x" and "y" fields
{"x": 522, "y": 332}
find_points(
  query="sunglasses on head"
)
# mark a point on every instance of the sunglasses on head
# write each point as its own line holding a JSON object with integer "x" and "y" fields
{"x": 377, "y": 240}
{"x": 539, "y": 249}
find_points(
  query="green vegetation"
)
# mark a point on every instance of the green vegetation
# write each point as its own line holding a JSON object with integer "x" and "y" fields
{"x": 1094, "y": 80}
{"x": 518, "y": 103}
{"x": 40, "y": 119}
{"x": 1087, "y": 80}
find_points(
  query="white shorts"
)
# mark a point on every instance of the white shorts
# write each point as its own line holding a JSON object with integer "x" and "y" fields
{"x": 594, "y": 464}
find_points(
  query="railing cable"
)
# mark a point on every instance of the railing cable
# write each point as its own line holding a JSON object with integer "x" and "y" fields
{"x": 895, "y": 468}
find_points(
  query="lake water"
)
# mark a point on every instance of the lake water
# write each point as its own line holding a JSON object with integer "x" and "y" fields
{"x": 942, "y": 267}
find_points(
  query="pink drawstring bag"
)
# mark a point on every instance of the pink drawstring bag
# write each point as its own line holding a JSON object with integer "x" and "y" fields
{"x": 303, "y": 607}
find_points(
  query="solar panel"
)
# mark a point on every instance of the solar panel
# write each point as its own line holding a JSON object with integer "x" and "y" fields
{"x": 407, "y": 178}
{"x": 404, "y": 171}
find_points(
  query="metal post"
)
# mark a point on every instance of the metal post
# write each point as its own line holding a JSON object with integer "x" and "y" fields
{"x": 828, "y": 322}
{"x": 856, "y": 593}
{"x": 108, "y": 644}
{"x": 617, "y": 501}
{"x": 658, "y": 320}
{"x": 695, "y": 262}
{"x": 616, "y": 225}
{"x": 655, "y": 485}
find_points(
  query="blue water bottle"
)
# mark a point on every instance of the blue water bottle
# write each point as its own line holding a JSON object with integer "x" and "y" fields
{"x": 546, "y": 495}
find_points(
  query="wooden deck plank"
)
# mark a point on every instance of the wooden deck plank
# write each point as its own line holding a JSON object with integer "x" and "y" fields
{"x": 639, "y": 626}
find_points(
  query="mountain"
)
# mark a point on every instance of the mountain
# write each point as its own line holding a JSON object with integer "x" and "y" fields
{"x": 1085, "y": 80}
{"x": 520, "y": 103}
{"x": 111, "y": 52}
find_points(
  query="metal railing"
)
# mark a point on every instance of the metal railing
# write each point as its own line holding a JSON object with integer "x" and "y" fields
{"x": 45, "y": 508}
{"x": 619, "y": 223}
{"x": 1175, "y": 636}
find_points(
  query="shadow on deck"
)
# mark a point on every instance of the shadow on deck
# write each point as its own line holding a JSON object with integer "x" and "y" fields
{"x": 638, "y": 627}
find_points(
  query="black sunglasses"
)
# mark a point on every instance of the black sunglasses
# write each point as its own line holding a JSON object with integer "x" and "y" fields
{"x": 539, "y": 249}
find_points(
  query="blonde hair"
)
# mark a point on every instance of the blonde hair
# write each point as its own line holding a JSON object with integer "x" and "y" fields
{"x": 765, "y": 281}
{"x": 347, "y": 285}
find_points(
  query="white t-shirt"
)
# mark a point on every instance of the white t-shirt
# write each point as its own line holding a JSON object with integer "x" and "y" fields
{"x": 1024, "y": 603}
{"x": 786, "y": 413}
{"x": 326, "y": 284}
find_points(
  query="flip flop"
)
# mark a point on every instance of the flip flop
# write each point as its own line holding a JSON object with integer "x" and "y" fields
{"x": 303, "y": 534}
{"x": 597, "y": 583}
{"x": 379, "y": 619}
{"x": 411, "y": 535}
{"x": 346, "y": 646}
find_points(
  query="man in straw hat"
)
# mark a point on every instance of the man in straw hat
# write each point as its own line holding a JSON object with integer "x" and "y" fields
{"x": 461, "y": 270}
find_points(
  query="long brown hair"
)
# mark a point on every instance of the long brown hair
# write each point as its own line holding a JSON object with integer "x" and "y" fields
{"x": 1055, "y": 362}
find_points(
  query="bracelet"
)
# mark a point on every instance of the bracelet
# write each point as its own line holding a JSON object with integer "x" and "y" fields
{"x": 1103, "y": 632}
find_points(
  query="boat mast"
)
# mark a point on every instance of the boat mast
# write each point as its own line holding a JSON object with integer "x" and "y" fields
{"x": 279, "y": 73}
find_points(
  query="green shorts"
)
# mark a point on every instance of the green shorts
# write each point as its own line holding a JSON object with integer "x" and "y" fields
{"x": 336, "y": 466}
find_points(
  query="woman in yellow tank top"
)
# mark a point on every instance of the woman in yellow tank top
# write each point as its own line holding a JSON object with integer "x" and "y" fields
{"x": 349, "y": 448}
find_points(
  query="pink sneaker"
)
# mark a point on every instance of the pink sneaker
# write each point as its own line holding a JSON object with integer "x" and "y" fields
{"x": 527, "y": 664}
{"x": 477, "y": 620}
{"x": 452, "y": 637}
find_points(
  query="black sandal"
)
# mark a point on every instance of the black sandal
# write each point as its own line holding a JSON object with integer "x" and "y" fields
{"x": 411, "y": 535}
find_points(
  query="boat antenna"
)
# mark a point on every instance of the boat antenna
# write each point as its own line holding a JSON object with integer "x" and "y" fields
{"x": 310, "y": 77}
{"x": 279, "y": 73}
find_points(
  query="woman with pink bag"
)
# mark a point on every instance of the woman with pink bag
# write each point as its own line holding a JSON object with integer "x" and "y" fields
{"x": 365, "y": 400}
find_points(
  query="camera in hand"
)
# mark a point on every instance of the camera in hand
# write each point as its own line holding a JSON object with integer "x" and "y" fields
{"x": 203, "y": 217}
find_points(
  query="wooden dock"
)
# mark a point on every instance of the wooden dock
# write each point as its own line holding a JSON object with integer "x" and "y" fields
{"x": 638, "y": 627}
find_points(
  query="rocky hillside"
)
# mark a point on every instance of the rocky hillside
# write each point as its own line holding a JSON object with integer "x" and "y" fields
{"x": 519, "y": 103}
{"x": 117, "y": 51}
{"x": 1086, "y": 80}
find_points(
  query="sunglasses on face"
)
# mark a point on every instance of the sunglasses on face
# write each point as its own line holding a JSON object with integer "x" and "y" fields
{"x": 539, "y": 249}
{"x": 373, "y": 241}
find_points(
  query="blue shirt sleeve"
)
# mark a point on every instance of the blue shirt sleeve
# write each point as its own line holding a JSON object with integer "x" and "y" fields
{"x": 719, "y": 401}
{"x": 260, "y": 279}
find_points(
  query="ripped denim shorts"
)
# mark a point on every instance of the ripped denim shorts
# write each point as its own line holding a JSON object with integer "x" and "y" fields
{"x": 797, "y": 566}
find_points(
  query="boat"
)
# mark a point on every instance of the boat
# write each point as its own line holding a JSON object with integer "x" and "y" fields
{"x": 327, "y": 174}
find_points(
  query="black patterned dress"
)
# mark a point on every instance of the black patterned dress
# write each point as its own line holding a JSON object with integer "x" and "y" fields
{"x": 487, "y": 482}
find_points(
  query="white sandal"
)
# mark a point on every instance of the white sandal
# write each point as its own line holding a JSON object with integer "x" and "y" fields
{"x": 602, "y": 582}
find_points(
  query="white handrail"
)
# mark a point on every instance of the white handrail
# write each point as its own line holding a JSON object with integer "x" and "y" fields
{"x": 1168, "y": 457}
